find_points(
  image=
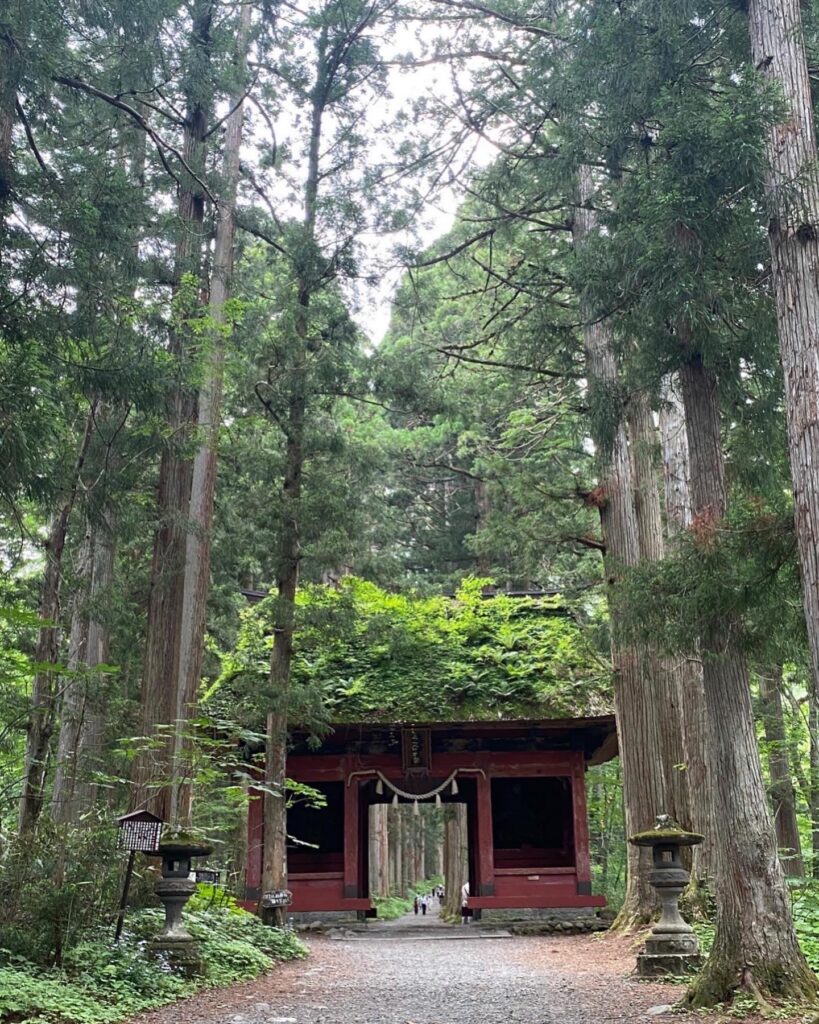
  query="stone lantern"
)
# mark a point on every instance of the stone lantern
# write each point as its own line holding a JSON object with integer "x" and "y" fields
{"x": 174, "y": 888}
{"x": 672, "y": 947}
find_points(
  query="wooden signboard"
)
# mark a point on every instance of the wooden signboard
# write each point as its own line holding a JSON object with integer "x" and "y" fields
{"x": 277, "y": 898}
{"x": 416, "y": 751}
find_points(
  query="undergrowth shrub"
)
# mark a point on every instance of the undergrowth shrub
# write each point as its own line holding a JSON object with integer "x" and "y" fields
{"x": 101, "y": 984}
{"x": 55, "y": 885}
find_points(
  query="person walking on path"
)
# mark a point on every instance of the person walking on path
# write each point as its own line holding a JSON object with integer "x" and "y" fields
{"x": 423, "y": 906}
{"x": 465, "y": 903}
{"x": 415, "y": 905}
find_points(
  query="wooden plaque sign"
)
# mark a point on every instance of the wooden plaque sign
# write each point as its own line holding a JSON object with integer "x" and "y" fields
{"x": 277, "y": 898}
{"x": 416, "y": 751}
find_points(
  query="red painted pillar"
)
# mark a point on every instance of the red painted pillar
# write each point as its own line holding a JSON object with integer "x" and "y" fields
{"x": 485, "y": 859}
{"x": 582, "y": 859}
{"x": 351, "y": 838}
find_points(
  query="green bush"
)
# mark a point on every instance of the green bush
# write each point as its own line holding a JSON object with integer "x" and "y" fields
{"x": 100, "y": 984}
{"x": 806, "y": 918}
{"x": 55, "y": 886}
{"x": 390, "y": 907}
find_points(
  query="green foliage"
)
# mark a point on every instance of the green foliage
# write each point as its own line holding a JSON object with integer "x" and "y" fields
{"x": 56, "y": 885}
{"x": 604, "y": 799}
{"x": 742, "y": 566}
{"x": 392, "y": 907}
{"x": 368, "y": 655}
{"x": 101, "y": 984}
{"x": 805, "y": 905}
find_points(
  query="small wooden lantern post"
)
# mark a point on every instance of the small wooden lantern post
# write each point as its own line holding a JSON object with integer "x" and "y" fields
{"x": 139, "y": 831}
{"x": 672, "y": 947}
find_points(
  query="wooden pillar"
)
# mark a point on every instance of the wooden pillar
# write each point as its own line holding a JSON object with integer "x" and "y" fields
{"x": 484, "y": 861}
{"x": 351, "y": 839}
{"x": 582, "y": 859}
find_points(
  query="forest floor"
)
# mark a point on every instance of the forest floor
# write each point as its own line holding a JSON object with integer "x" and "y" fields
{"x": 407, "y": 973}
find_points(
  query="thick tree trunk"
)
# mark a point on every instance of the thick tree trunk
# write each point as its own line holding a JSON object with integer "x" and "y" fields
{"x": 153, "y": 769}
{"x": 196, "y": 583}
{"x": 72, "y": 702}
{"x": 274, "y": 864}
{"x": 792, "y": 184}
{"x": 665, "y": 677}
{"x": 638, "y": 717}
{"x": 754, "y": 944}
{"x": 676, "y": 486}
{"x": 43, "y": 695}
{"x": 81, "y": 717}
{"x": 782, "y": 794}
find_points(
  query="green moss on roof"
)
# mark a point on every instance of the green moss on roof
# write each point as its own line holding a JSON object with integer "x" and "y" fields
{"x": 365, "y": 655}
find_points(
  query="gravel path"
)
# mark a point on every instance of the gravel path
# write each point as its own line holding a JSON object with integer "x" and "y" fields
{"x": 405, "y": 974}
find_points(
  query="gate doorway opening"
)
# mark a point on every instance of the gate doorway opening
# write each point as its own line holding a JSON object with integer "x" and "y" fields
{"x": 420, "y": 848}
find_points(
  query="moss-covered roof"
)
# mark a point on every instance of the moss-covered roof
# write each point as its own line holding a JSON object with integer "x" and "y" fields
{"x": 365, "y": 655}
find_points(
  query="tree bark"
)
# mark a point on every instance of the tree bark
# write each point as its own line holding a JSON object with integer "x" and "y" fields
{"x": 638, "y": 718}
{"x": 782, "y": 793}
{"x": 814, "y": 783}
{"x": 676, "y": 486}
{"x": 754, "y": 943}
{"x": 46, "y": 655}
{"x": 274, "y": 865}
{"x": 792, "y": 185}
{"x": 665, "y": 676}
{"x": 81, "y": 716}
{"x": 196, "y": 583}
{"x": 153, "y": 769}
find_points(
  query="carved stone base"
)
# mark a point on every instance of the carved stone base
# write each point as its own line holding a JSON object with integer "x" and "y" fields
{"x": 182, "y": 954}
{"x": 684, "y": 943}
{"x": 660, "y": 965}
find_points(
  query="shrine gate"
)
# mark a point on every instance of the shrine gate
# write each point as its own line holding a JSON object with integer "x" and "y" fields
{"x": 522, "y": 782}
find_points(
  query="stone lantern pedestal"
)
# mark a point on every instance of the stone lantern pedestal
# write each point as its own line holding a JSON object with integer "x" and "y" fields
{"x": 174, "y": 888}
{"x": 672, "y": 947}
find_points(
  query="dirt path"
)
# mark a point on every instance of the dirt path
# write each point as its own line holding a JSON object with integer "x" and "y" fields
{"x": 440, "y": 976}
